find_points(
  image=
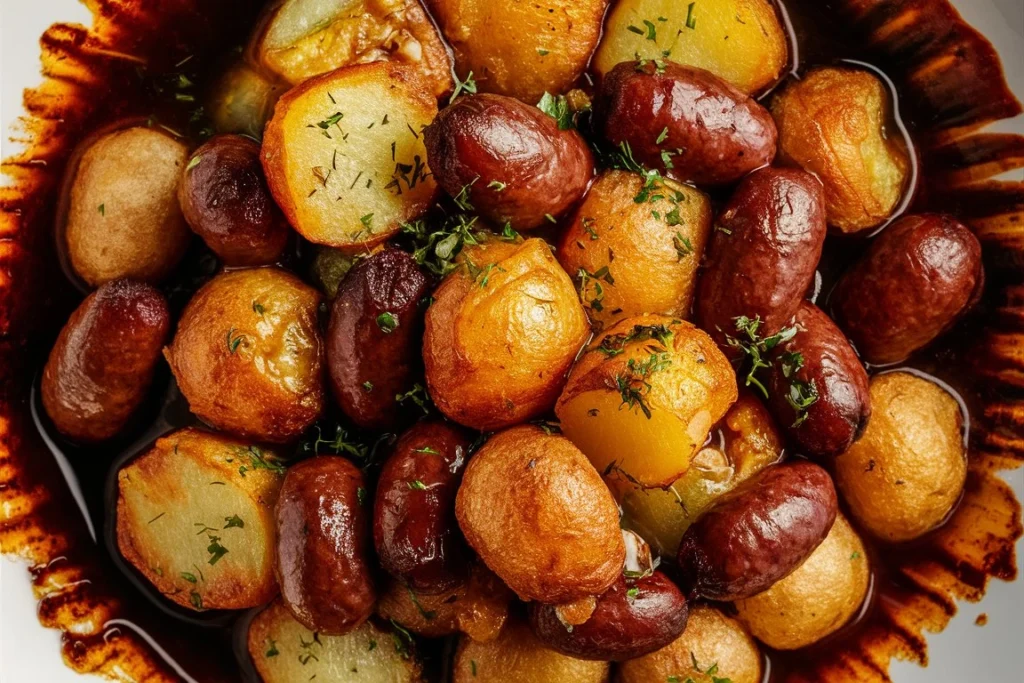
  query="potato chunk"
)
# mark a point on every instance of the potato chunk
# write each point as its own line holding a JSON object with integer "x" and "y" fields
{"x": 195, "y": 516}
{"x": 643, "y": 397}
{"x": 740, "y": 41}
{"x": 306, "y": 38}
{"x": 285, "y": 651}
{"x": 344, "y": 154}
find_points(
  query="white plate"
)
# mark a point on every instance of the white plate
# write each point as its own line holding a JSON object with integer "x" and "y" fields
{"x": 964, "y": 652}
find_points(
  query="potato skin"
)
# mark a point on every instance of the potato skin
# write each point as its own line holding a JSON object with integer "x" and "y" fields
{"x": 224, "y": 197}
{"x": 323, "y": 546}
{"x": 414, "y": 527}
{"x": 364, "y": 348}
{"x": 500, "y": 337}
{"x": 714, "y": 133}
{"x": 759, "y": 533}
{"x": 538, "y": 514}
{"x": 102, "y": 365}
{"x": 123, "y": 217}
{"x": 915, "y": 280}
{"x": 905, "y": 475}
{"x": 247, "y": 354}
{"x": 657, "y": 247}
{"x": 763, "y": 254}
{"x": 515, "y": 162}
{"x": 843, "y": 407}
{"x": 623, "y": 626}
{"x": 832, "y": 124}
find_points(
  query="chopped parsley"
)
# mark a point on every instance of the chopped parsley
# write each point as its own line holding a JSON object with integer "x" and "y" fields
{"x": 633, "y": 382}
{"x": 387, "y": 322}
{"x": 757, "y": 348}
{"x": 234, "y": 522}
{"x": 466, "y": 86}
{"x": 557, "y": 107}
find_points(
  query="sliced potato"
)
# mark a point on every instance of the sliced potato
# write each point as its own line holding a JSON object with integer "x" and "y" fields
{"x": 285, "y": 651}
{"x": 344, "y": 154}
{"x": 306, "y": 38}
{"x": 195, "y": 516}
{"x": 740, "y": 41}
{"x": 242, "y": 100}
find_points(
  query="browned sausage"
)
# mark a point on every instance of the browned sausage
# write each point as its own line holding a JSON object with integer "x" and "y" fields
{"x": 759, "y": 533}
{"x": 103, "y": 362}
{"x": 685, "y": 122}
{"x": 414, "y": 528}
{"x": 827, "y": 368}
{"x": 763, "y": 254}
{"x": 373, "y": 339}
{"x": 915, "y": 280}
{"x": 323, "y": 545}
{"x": 514, "y": 162}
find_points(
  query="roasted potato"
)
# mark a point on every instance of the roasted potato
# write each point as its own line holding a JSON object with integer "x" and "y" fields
{"x": 247, "y": 354}
{"x": 631, "y": 619}
{"x": 518, "y": 655}
{"x": 816, "y": 600}
{"x": 242, "y": 100}
{"x": 373, "y": 338}
{"x": 324, "y": 561}
{"x": 195, "y": 517}
{"x": 740, "y": 41}
{"x": 285, "y": 651}
{"x": 102, "y": 365}
{"x": 712, "y": 649}
{"x": 759, "y": 533}
{"x": 414, "y": 526}
{"x": 520, "y": 49}
{"x": 643, "y": 397}
{"x": 305, "y": 38}
{"x": 913, "y": 283}
{"x": 344, "y": 154}
{"x": 540, "y": 517}
{"x": 657, "y": 246}
{"x": 225, "y": 200}
{"x": 817, "y": 387}
{"x": 907, "y": 473}
{"x": 501, "y": 334}
{"x": 509, "y": 160}
{"x": 685, "y": 122}
{"x": 833, "y": 123}
{"x": 478, "y": 607}
{"x": 123, "y": 218}
{"x": 762, "y": 256}
{"x": 747, "y": 442}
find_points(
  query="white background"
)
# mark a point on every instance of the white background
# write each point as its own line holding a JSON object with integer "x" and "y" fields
{"x": 964, "y": 652}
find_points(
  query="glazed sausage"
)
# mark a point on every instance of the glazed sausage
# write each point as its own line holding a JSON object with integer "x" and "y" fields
{"x": 631, "y": 620}
{"x": 763, "y": 253}
{"x": 509, "y": 159}
{"x": 759, "y": 533}
{"x": 103, "y": 362}
{"x": 915, "y": 280}
{"x": 373, "y": 337}
{"x": 414, "y": 526}
{"x": 685, "y": 122}
{"x": 323, "y": 545}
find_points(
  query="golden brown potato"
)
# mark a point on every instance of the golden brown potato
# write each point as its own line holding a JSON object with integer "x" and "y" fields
{"x": 833, "y": 123}
{"x": 247, "y": 354}
{"x": 344, "y": 154}
{"x": 285, "y": 651}
{"x": 740, "y": 41}
{"x": 747, "y": 442}
{"x": 643, "y": 397}
{"x": 540, "y": 517}
{"x": 306, "y": 38}
{"x": 521, "y": 49}
{"x": 242, "y": 100}
{"x": 123, "y": 216}
{"x": 657, "y": 247}
{"x": 517, "y": 655}
{"x": 906, "y": 473}
{"x": 816, "y": 600}
{"x": 195, "y": 516}
{"x": 501, "y": 334}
